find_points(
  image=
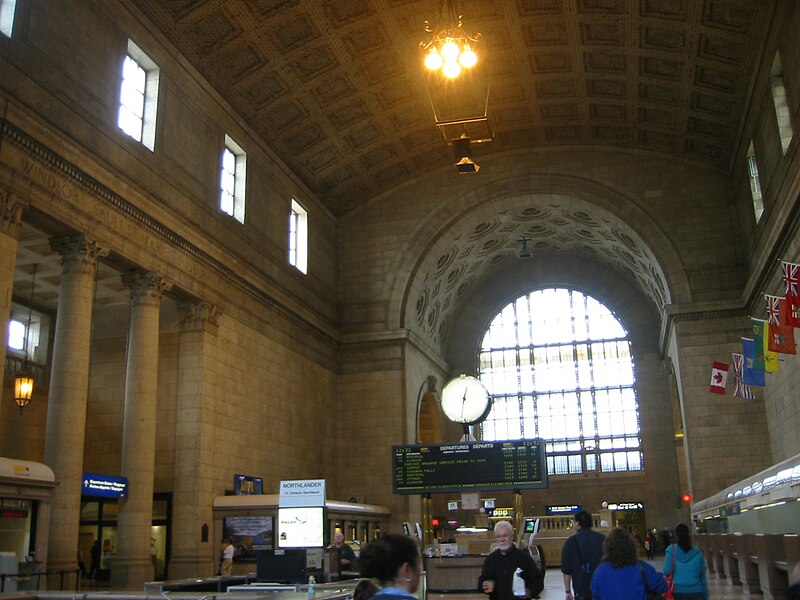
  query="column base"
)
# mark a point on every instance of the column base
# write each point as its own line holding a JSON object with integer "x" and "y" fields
{"x": 188, "y": 567}
{"x": 130, "y": 574}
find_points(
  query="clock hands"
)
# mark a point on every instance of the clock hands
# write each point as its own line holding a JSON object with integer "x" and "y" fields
{"x": 464, "y": 403}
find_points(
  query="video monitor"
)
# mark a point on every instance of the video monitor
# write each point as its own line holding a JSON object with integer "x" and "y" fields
{"x": 281, "y": 566}
{"x": 250, "y": 534}
{"x": 301, "y": 527}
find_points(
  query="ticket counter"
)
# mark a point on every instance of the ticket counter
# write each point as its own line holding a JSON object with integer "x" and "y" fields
{"x": 26, "y": 489}
{"x": 453, "y": 573}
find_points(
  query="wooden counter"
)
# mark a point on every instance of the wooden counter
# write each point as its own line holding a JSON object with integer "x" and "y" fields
{"x": 454, "y": 573}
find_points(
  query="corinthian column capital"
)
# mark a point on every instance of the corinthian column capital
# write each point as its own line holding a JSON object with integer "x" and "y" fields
{"x": 146, "y": 287}
{"x": 10, "y": 213}
{"x": 78, "y": 254}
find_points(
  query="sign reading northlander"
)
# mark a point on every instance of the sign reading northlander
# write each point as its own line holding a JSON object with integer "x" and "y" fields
{"x": 302, "y": 492}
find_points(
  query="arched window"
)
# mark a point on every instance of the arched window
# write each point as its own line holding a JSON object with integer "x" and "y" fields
{"x": 558, "y": 366}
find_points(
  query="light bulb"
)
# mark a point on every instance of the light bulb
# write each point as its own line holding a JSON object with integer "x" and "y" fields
{"x": 434, "y": 60}
{"x": 468, "y": 58}
{"x": 450, "y": 50}
{"x": 451, "y": 69}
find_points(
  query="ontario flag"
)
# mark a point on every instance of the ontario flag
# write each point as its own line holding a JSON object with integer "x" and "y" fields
{"x": 764, "y": 355}
{"x": 781, "y": 334}
{"x": 719, "y": 377}
{"x": 791, "y": 272}
{"x": 740, "y": 390}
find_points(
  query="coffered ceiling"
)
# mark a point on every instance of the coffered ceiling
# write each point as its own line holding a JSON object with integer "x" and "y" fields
{"x": 337, "y": 89}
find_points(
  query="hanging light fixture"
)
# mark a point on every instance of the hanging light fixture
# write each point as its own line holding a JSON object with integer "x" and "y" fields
{"x": 450, "y": 49}
{"x": 524, "y": 252}
{"x": 23, "y": 382}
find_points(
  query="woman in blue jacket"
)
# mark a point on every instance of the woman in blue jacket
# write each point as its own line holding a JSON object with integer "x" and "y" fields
{"x": 621, "y": 576}
{"x": 689, "y": 571}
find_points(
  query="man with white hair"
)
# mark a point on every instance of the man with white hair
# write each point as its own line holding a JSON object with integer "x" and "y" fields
{"x": 497, "y": 576}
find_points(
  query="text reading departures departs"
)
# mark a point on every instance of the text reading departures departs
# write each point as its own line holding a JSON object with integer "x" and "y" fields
{"x": 469, "y": 467}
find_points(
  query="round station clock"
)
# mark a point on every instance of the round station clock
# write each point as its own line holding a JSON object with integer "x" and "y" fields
{"x": 465, "y": 400}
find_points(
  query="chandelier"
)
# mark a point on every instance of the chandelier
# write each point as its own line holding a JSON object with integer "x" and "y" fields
{"x": 23, "y": 382}
{"x": 450, "y": 49}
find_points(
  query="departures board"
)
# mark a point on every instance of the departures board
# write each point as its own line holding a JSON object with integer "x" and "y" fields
{"x": 469, "y": 466}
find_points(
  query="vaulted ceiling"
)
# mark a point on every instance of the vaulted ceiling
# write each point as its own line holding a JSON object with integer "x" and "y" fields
{"x": 337, "y": 89}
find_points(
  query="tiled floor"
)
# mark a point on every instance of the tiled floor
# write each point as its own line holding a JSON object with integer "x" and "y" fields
{"x": 554, "y": 588}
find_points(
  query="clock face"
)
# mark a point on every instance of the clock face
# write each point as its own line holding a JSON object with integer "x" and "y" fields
{"x": 465, "y": 400}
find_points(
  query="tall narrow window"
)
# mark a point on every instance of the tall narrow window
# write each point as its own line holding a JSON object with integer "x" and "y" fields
{"x": 755, "y": 182}
{"x": 7, "y": 10}
{"x": 232, "y": 180}
{"x": 558, "y": 365}
{"x": 781, "y": 105}
{"x": 298, "y": 237}
{"x": 138, "y": 96}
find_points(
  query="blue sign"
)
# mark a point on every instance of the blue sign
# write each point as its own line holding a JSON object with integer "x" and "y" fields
{"x": 563, "y": 509}
{"x": 106, "y": 486}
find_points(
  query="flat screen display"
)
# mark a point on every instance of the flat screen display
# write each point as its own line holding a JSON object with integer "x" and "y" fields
{"x": 250, "y": 534}
{"x": 469, "y": 467}
{"x": 301, "y": 527}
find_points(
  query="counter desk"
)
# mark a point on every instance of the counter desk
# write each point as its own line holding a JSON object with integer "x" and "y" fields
{"x": 454, "y": 573}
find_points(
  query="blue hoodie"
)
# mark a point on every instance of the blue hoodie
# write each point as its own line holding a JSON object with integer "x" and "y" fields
{"x": 690, "y": 570}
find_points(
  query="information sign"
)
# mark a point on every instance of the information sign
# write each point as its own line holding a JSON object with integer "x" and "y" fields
{"x": 470, "y": 466}
{"x": 106, "y": 486}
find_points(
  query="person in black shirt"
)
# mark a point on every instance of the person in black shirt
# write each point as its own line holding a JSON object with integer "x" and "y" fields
{"x": 347, "y": 557}
{"x": 581, "y": 554}
{"x": 497, "y": 575}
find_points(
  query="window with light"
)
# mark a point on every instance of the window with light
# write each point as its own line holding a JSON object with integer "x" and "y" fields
{"x": 755, "y": 182}
{"x": 558, "y": 366}
{"x": 138, "y": 96}
{"x": 232, "y": 180}
{"x": 7, "y": 10}
{"x": 780, "y": 101}
{"x": 298, "y": 237}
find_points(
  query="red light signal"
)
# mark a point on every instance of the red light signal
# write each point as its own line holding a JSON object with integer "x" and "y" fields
{"x": 687, "y": 498}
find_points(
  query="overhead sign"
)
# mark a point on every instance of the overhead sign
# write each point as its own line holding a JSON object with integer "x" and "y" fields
{"x": 106, "y": 486}
{"x": 562, "y": 509}
{"x": 625, "y": 506}
{"x": 500, "y": 513}
{"x": 302, "y": 492}
{"x": 452, "y": 505}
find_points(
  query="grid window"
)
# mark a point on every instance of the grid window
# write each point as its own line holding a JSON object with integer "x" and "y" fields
{"x": 298, "y": 237}
{"x": 755, "y": 182}
{"x": 558, "y": 366}
{"x": 138, "y": 96}
{"x": 779, "y": 99}
{"x": 7, "y": 10}
{"x": 232, "y": 180}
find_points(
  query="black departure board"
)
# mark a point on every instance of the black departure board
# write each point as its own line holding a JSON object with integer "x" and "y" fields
{"x": 469, "y": 466}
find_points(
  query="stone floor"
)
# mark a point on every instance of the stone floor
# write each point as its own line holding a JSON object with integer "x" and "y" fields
{"x": 554, "y": 588}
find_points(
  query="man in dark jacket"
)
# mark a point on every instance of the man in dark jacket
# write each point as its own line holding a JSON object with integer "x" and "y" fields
{"x": 497, "y": 576}
{"x": 581, "y": 554}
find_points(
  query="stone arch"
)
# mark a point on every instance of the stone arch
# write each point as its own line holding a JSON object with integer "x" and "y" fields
{"x": 457, "y": 246}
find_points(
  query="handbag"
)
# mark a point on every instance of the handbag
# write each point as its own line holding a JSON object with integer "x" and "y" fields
{"x": 669, "y": 594}
{"x": 649, "y": 594}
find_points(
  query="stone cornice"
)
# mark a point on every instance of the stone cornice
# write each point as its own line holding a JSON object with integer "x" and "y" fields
{"x": 32, "y": 147}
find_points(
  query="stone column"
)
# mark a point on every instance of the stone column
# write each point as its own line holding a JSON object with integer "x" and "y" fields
{"x": 10, "y": 221}
{"x": 132, "y": 565}
{"x": 69, "y": 389}
{"x": 193, "y": 553}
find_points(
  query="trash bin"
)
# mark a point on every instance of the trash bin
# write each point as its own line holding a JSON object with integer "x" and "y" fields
{"x": 9, "y": 566}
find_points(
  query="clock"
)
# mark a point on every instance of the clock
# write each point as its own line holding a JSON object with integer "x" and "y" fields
{"x": 465, "y": 400}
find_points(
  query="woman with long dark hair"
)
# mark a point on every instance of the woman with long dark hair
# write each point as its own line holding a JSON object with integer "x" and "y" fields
{"x": 621, "y": 576}
{"x": 687, "y": 567}
{"x": 394, "y": 562}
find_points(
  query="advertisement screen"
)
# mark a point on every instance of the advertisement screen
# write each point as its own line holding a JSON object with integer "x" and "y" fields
{"x": 301, "y": 527}
{"x": 250, "y": 534}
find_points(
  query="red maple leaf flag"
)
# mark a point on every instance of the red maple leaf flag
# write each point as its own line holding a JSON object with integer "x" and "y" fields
{"x": 719, "y": 377}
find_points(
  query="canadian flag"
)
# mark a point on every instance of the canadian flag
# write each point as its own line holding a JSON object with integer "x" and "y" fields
{"x": 719, "y": 377}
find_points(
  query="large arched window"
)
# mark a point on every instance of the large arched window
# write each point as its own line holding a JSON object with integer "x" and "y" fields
{"x": 558, "y": 366}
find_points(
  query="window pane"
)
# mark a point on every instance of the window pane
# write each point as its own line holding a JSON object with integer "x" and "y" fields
{"x": 559, "y": 367}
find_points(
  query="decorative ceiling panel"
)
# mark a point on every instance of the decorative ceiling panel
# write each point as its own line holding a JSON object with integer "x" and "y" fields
{"x": 339, "y": 93}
